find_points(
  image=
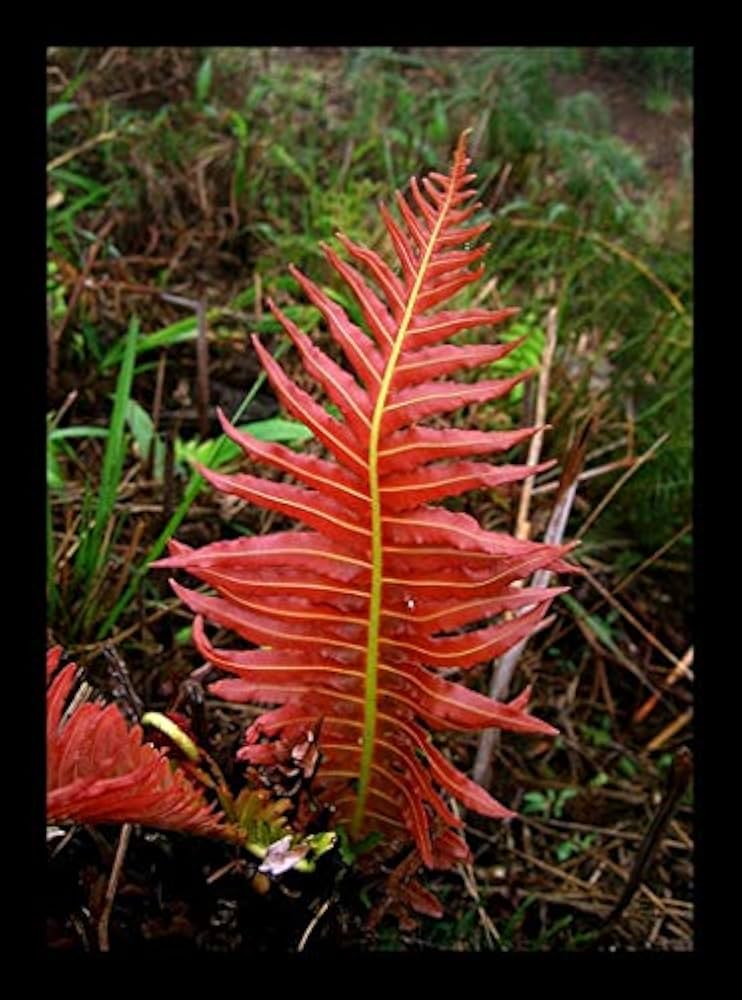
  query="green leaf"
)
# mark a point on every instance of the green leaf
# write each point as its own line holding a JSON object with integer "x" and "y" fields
{"x": 239, "y": 127}
{"x": 203, "y": 80}
{"x": 320, "y": 843}
{"x": 627, "y": 767}
{"x": 564, "y": 851}
{"x": 275, "y": 429}
{"x": 575, "y": 845}
{"x": 239, "y": 130}
{"x": 278, "y": 429}
{"x": 183, "y": 635}
{"x": 557, "y": 209}
{"x": 438, "y": 128}
{"x": 598, "y": 737}
{"x": 350, "y": 851}
{"x": 143, "y": 430}
{"x": 528, "y": 355}
{"x": 535, "y": 802}
{"x": 561, "y": 800}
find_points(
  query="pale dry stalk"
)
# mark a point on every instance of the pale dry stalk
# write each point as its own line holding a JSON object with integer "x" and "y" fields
{"x": 505, "y": 666}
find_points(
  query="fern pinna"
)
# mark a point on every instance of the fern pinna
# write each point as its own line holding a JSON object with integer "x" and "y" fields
{"x": 357, "y": 618}
{"x": 99, "y": 769}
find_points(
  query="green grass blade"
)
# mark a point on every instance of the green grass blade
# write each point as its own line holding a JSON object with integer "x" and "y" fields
{"x": 79, "y": 431}
{"x": 187, "y": 329}
{"x": 57, "y": 111}
{"x": 203, "y": 80}
{"x": 57, "y": 219}
{"x": 290, "y": 163}
{"x": 179, "y": 515}
{"x": 77, "y": 180}
{"x": 176, "y": 333}
{"x": 113, "y": 458}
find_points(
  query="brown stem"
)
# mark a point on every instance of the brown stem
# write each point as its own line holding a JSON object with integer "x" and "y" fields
{"x": 678, "y": 780}
{"x": 202, "y": 359}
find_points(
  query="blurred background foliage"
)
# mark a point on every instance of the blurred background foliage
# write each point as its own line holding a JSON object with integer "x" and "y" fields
{"x": 220, "y": 166}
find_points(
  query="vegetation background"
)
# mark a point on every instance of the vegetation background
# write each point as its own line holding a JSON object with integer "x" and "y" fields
{"x": 181, "y": 183}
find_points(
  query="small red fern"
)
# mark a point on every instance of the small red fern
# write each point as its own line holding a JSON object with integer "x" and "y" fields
{"x": 98, "y": 769}
{"x": 355, "y": 618}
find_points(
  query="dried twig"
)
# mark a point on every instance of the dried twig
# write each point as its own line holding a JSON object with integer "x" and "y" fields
{"x": 632, "y": 619}
{"x": 202, "y": 358}
{"x": 313, "y": 923}
{"x": 681, "y": 668}
{"x": 489, "y": 288}
{"x": 82, "y": 148}
{"x": 202, "y": 368}
{"x": 118, "y": 637}
{"x": 127, "y": 561}
{"x": 466, "y": 870}
{"x": 118, "y": 863}
{"x": 669, "y": 731}
{"x": 598, "y": 470}
{"x": 624, "y": 581}
{"x": 502, "y": 181}
{"x": 69, "y": 400}
{"x": 613, "y": 652}
{"x": 633, "y": 468}
{"x": 554, "y": 826}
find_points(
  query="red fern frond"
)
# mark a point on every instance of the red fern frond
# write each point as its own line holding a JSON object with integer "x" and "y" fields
{"x": 353, "y": 618}
{"x": 99, "y": 770}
